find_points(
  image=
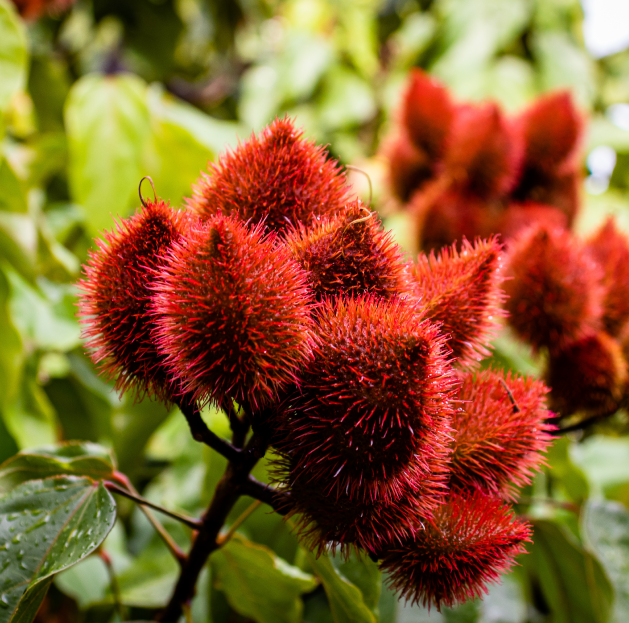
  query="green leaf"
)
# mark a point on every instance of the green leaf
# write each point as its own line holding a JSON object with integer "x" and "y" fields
{"x": 30, "y": 602}
{"x": 571, "y": 579}
{"x": 107, "y": 123}
{"x": 72, "y": 458}
{"x": 363, "y": 573}
{"x": 605, "y": 528}
{"x": 605, "y": 461}
{"x": 12, "y": 197}
{"x": 563, "y": 471}
{"x": 47, "y": 526}
{"x": 258, "y": 584}
{"x": 10, "y": 347}
{"x": 346, "y": 600}
{"x": 13, "y": 53}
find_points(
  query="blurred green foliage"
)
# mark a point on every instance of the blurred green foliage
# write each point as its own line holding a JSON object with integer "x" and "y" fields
{"x": 93, "y": 99}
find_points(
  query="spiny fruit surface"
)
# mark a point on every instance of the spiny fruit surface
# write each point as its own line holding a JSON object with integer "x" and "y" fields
{"x": 375, "y": 398}
{"x": 327, "y": 518}
{"x": 500, "y": 433}
{"x": 277, "y": 178}
{"x": 349, "y": 254}
{"x": 610, "y": 248}
{"x": 588, "y": 376}
{"x": 484, "y": 152}
{"x": 553, "y": 288}
{"x": 114, "y": 303}
{"x": 470, "y": 542}
{"x": 461, "y": 291}
{"x": 232, "y": 312}
{"x": 427, "y": 113}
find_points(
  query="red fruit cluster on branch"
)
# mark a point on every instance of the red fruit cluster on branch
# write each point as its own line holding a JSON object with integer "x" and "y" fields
{"x": 352, "y": 362}
{"x": 468, "y": 170}
{"x": 568, "y": 298}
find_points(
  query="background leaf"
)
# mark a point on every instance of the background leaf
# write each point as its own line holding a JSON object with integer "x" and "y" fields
{"x": 13, "y": 54}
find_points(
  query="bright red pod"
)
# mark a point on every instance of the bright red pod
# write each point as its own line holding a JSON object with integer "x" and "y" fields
{"x": 375, "y": 399}
{"x": 553, "y": 287}
{"x": 484, "y": 152}
{"x": 500, "y": 432}
{"x": 277, "y": 178}
{"x": 471, "y": 541}
{"x": 233, "y": 313}
{"x": 588, "y": 376}
{"x": 610, "y": 249}
{"x": 349, "y": 254}
{"x": 520, "y": 216}
{"x": 460, "y": 290}
{"x": 427, "y": 113}
{"x": 115, "y": 295}
{"x": 410, "y": 167}
{"x": 34, "y": 9}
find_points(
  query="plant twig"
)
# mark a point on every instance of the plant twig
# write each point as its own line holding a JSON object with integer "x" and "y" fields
{"x": 174, "y": 549}
{"x": 278, "y": 500}
{"x": 202, "y": 433}
{"x": 187, "y": 612}
{"x": 223, "y": 538}
{"x": 113, "y": 581}
{"x": 227, "y": 492}
{"x": 239, "y": 425}
{"x": 195, "y": 524}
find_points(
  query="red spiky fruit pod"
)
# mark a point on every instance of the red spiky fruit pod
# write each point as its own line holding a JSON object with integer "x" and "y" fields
{"x": 350, "y": 254}
{"x": 470, "y": 542}
{"x": 461, "y": 292}
{"x": 427, "y": 113}
{"x": 588, "y": 376}
{"x": 327, "y": 519}
{"x": 233, "y": 313}
{"x": 277, "y": 177}
{"x": 409, "y": 166}
{"x": 115, "y": 295}
{"x": 500, "y": 432}
{"x": 520, "y": 216}
{"x": 610, "y": 249}
{"x": 551, "y": 129}
{"x": 375, "y": 399}
{"x": 484, "y": 152}
{"x": 34, "y": 9}
{"x": 553, "y": 288}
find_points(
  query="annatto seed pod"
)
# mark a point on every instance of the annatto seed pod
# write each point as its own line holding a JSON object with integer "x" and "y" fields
{"x": 350, "y": 254}
{"x": 551, "y": 129}
{"x": 520, "y": 216}
{"x": 427, "y": 113}
{"x": 610, "y": 249}
{"x": 470, "y": 542}
{"x": 553, "y": 288}
{"x": 114, "y": 300}
{"x": 484, "y": 152}
{"x": 327, "y": 520}
{"x": 461, "y": 292}
{"x": 277, "y": 177}
{"x": 34, "y": 9}
{"x": 588, "y": 376}
{"x": 500, "y": 432}
{"x": 409, "y": 166}
{"x": 375, "y": 399}
{"x": 232, "y": 312}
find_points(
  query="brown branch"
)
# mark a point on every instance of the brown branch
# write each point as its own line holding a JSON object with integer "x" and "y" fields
{"x": 278, "y": 500}
{"x": 202, "y": 433}
{"x": 228, "y": 490}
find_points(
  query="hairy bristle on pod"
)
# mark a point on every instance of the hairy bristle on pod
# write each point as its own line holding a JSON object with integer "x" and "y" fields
{"x": 588, "y": 376}
{"x": 232, "y": 312}
{"x": 350, "y": 254}
{"x": 484, "y": 152}
{"x": 470, "y": 542}
{"x": 277, "y": 177}
{"x": 375, "y": 399}
{"x": 461, "y": 292}
{"x": 500, "y": 432}
{"x": 610, "y": 248}
{"x": 115, "y": 295}
{"x": 553, "y": 288}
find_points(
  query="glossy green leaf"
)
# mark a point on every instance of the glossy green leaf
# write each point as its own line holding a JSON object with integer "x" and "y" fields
{"x": 346, "y": 600}
{"x": 258, "y": 584}
{"x": 13, "y": 53}
{"x": 31, "y": 601}
{"x": 606, "y": 532}
{"x": 565, "y": 473}
{"x": 363, "y": 573}
{"x": 47, "y": 526}
{"x": 572, "y": 580}
{"x": 72, "y": 458}
{"x": 107, "y": 123}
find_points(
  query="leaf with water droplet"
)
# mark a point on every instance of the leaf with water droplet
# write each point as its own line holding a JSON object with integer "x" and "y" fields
{"x": 52, "y": 540}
